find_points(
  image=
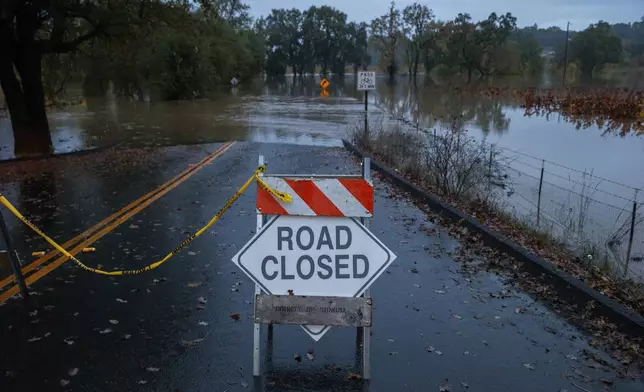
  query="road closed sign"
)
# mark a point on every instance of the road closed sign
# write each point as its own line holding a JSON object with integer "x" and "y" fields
{"x": 314, "y": 256}
{"x": 366, "y": 80}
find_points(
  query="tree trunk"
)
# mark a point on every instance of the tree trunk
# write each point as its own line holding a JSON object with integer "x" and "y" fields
{"x": 13, "y": 96}
{"x": 416, "y": 61}
{"x": 35, "y": 138}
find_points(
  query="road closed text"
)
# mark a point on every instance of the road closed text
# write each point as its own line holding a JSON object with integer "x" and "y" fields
{"x": 310, "y": 261}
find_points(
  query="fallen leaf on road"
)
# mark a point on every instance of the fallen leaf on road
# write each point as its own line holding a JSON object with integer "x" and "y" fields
{"x": 456, "y": 316}
{"x": 571, "y": 357}
{"x": 105, "y": 331}
{"x": 354, "y": 376}
{"x": 114, "y": 322}
{"x": 417, "y": 285}
{"x": 152, "y": 369}
{"x": 192, "y": 253}
{"x": 73, "y": 372}
{"x": 484, "y": 342}
{"x": 297, "y": 357}
{"x": 64, "y": 383}
{"x": 439, "y": 291}
{"x": 68, "y": 341}
{"x": 528, "y": 366}
{"x": 133, "y": 226}
{"x": 34, "y": 313}
{"x": 393, "y": 353}
{"x": 431, "y": 349}
{"x": 121, "y": 300}
{"x": 464, "y": 384}
{"x": 444, "y": 386}
{"x": 127, "y": 336}
{"x": 191, "y": 342}
{"x": 309, "y": 356}
{"x": 413, "y": 271}
{"x": 235, "y": 316}
{"x": 244, "y": 384}
{"x": 34, "y": 339}
{"x": 202, "y": 323}
{"x": 438, "y": 352}
{"x": 142, "y": 382}
{"x": 195, "y": 284}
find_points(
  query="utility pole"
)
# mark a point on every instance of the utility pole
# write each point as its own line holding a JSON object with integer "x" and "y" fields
{"x": 566, "y": 54}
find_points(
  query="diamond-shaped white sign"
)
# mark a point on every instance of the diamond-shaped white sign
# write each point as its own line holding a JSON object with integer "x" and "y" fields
{"x": 314, "y": 256}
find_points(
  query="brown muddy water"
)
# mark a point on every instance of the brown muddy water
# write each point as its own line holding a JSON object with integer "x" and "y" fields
{"x": 591, "y": 176}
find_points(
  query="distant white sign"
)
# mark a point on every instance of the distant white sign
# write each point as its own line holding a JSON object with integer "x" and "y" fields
{"x": 366, "y": 80}
{"x": 314, "y": 256}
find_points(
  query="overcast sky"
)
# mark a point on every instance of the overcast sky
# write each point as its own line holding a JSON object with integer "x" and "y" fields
{"x": 545, "y": 13}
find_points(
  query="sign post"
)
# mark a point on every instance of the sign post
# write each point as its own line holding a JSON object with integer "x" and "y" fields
{"x": 366, "y": 81}
{"x": 257, "y": 326}
{"x": 12, "y": 256}
{"x": 314, "y": 259}
{"x": 366, "y": 331}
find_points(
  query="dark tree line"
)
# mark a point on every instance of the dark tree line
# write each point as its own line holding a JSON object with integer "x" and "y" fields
{"x": 597, "y": 45}
{"x": 319, "y": 37}
{"x": 181, "y": 48}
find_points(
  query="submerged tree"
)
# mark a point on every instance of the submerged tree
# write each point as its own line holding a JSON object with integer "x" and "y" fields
{"x": 30, "y": 30}
{"x": 319, "y": 36}
{"x": 183, "y": 47}
{"x": 594, "y": 47}
{"x": 418, "y": 20}
{"x": 387, "y": 33}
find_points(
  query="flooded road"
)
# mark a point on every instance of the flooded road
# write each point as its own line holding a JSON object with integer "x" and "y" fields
{"x": 273, "y": 113}
{"x": 298, "y": 113}
{"x": 588, "y": 172}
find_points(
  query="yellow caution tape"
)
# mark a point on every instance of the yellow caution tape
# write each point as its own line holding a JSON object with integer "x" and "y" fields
{"x": 256, "y": 176}
{"x": 285, "y": 197}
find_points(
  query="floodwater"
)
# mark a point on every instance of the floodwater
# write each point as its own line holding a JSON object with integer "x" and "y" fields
{"x": 580, "y": 163}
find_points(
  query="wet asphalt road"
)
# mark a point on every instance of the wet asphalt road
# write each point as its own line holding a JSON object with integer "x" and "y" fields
{"x": 171, "y": 329}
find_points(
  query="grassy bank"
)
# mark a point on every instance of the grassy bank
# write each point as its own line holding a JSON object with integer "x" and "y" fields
{"x": 468, "y": 174}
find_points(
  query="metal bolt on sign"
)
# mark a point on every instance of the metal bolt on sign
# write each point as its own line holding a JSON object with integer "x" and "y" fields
{"x": 313, "y": 257}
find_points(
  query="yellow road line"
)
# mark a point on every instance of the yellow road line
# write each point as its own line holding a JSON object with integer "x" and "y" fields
{"x": 36, "y": 263}
{"x": 77, "y": 249}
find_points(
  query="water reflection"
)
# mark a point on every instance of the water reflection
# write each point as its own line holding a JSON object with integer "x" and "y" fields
{"x": 284, "y": 111}
{"x": 608, "y": 126}
{"x": 434, "y": 107}
{"x": 293, "y": 110}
